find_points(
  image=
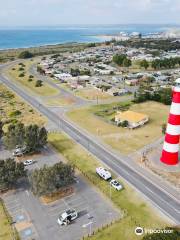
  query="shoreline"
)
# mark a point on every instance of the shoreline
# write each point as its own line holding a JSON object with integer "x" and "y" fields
{"x": 54, "y": 44}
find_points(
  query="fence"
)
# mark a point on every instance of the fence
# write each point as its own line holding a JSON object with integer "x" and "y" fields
{"x": 103, "y": 227}
{"x": 15, "y": 235}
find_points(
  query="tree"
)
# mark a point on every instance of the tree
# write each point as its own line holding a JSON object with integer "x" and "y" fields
{"x": 164, "y": 126}
{"x": 1, "y": 129}
{"x": 127, "y": 62}
{"x": 166, "y": 234}
{"x": 10, "y": 173}
{"x": 124, "y": 123}
{"x": 32, "y": 137}
{"x": 38, "y": 83}
{"x": 25, "y": 54}
{"x": 144, "y": 64}
{"x": 75, "y": 72}
{"x": 40, "y": 70}
{"x": 118, "y": 59}
{"x": 15, "y": 135}
{"x": 35, "y": 138}
{"x": 48, "y": 180}
{"x": 166, "y": 96}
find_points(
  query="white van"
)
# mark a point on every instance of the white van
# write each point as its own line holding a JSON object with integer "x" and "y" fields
{"x": 106, "y": 175}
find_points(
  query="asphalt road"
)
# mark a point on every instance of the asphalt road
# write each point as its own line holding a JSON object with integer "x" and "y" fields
{"x": 158, "y": 196}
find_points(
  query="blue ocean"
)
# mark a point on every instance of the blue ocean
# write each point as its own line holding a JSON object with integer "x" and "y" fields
{"x": 39, "y": 36}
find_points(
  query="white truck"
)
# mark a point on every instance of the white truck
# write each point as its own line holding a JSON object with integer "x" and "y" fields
{"x": 103, "y": 173}
{"x": 67, "y": 217}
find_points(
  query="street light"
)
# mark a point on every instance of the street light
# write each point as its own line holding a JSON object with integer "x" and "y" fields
{"x": 90, "y": 227}
{"x": 110, "y": 190}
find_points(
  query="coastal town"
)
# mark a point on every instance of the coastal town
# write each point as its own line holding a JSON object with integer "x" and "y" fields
{"x": 87, "y": 150}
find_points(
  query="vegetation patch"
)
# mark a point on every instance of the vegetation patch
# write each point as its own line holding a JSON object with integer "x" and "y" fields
{"x": 28, "y": 81}
{"x": 13, "y": 109}
{"x": 6, "y": 231}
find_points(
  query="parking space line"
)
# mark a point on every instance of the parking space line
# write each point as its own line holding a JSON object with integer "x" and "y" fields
{"x": 74, "y": 199}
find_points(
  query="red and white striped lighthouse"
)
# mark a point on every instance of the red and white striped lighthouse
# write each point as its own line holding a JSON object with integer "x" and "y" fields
{"x": 172, "y": 137}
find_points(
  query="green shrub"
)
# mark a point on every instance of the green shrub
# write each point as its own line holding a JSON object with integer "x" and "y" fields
{"x": 22, "y": 74}
{"x": 25, "y": 54}
{"x": 15, "y": 113}
{"x": 21, "y": 69}
{"x": 38, "y": 83}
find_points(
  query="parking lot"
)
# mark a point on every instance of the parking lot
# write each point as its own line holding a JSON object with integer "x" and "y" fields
{"x": 37, "y": 221}
{"x": 34, "y": 220}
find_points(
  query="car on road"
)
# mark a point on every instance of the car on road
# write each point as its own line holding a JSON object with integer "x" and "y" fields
{"x": 28, "y": 162}
{"x": 103, "y": 173}
{"x": 115, "y": 184}
{"x": 67, "y": 217}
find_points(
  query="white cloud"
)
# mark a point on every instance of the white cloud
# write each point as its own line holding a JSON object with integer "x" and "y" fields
{"x": 47, "y": 12}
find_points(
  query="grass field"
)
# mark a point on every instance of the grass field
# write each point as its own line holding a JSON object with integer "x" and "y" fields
{"x": 5, "y": 228}
{"x": 13, "y": 108}
{"x": 44, "y": 90}
{"x": 60, "y": 101}
{"x": 93, "y": 94}
{"x": 138, "y": 213}
{"x": 124, "y": 140}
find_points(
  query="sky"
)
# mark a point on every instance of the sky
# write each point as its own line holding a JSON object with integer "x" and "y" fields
{"x": 57, "y": 12}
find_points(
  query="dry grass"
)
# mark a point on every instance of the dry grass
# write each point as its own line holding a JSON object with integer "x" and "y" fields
{"x": 10, "y": 103}
{"x": 93, "y": 94}
{"x": 60, "y": 101}
{"x": 57, "y": 195}
{"x": 45, "y": 90}
{"x": 122, "y": 139}
{"x": 5, "y": 228}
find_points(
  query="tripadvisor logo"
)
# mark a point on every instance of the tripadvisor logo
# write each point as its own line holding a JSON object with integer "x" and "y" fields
{"x": 139, "y": 231}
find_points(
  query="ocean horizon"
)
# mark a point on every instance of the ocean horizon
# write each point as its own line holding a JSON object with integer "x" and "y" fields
{"x": 25, "y": 37}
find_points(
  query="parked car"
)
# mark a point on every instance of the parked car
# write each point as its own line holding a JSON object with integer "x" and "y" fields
{"x": 67, "y": 217}
{"x": 115, "y": 184}
{"x": 28, "y": 162}
{"x": 19, "y": 151}
{"x": 103, "y": 173}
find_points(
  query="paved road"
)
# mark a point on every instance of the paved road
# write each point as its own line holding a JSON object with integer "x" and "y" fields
{"x": 158, "y": 196}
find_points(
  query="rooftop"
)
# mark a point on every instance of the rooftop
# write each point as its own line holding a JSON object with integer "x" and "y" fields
{"x": 131, "y": 116}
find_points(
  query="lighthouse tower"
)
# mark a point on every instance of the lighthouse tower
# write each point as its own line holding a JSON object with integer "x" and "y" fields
{"x": 172, "y": 137}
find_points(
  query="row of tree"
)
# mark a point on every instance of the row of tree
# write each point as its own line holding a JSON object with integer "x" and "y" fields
{"x": 122, "y": 60}
{"x": 77, "y": 72}
{"x": 166, "y": 63}
{"x": 46, "y": 180}
{"x": 151, "y": 44}
{"x": 32, "y": 137}
{"x": 162, "y": 96}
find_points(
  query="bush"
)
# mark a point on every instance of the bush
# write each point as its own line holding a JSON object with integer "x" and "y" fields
{"x": 21, "y": 69}
{"x": 31, "y": 76}
{"x": 22, "y": 74}
{"x": 38, "y": 83}
{"x": 30, "y": 80}
{"x": 25, "y": 54}
{"x": 15, "y": 113}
